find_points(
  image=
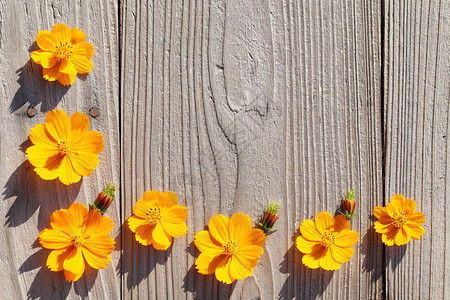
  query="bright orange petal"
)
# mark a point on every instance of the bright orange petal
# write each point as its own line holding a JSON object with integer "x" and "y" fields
{"x": 238, "y": 270}
{"x": 62, "y": 33}
{"x": 94, "y": 260}
{"x": 324, "y": 220}
{"x": 79, "y": 212}
{"x": 161, "y": 237}
{"x": 36, "y": 56}
{"x": 67, "y": 67}
{"x": 416, "y": 217}
{"x": 81, "y": 63}
{"x": 382, "y": 228}
{"x": 64, "y": 221}
{"x": 57, "y": 124}
{"x": 134, "y": 222}
{"x": 40, "y": 136}
{"x": 92, "y": 143}
{"x": 218, "y": 227}
{"x": 249, "y": 255}
{"x": 341, "y": 255}
{"x": 79, "y": 127}
{"x": 223, "y": 271}
{"x": 309, "y": 231}
{"x": 83, "y": 163}
{"x": 252, "y": 237}
{"x": 174, "y": 229}
{"x": 402, "y": 237}
{"x": 341, "y": 223}
{"x": 415, "y": 231}
{"x": 304, "y": 245}
{"x": 54, "y": 239}
{"x": 175, "y": 214}
{"x": 67, "y": 79}
{"x": 74, "y": 264}
{"x": 101, "y": 245}
{"x": 92, "y": 223}
{"x": 207, "y": 263}
{"x": 56, "y": 259}
{"x": 46, "y": 41}
{"x": 310, "y": 261}
{"x": 238, "y": 226}
{"x": 346, "y": 239}
{"x": 327, "y": 261}
{"x": 380, "y": 213}
{"x": 51, "y": 169}
{"x": 47, "y": 59}
{"x": 172, "y": 196}
{"x": 38, "y": 155}
{"x": 51, "y": 74}
{"x": 206, "y": 243}
{"x": 78, "y": 36}
{"x": 144, "y": 234}
{"x": 409, "y": 206}
{"x": 141, "y": 208}
{"x": 67, "y": 174}
{"x": 83, "y": 49}
{"x": 388, "y": 238}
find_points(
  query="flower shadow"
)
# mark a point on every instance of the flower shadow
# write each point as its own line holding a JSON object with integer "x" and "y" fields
{"x": 373, "y": 250}
{"x": 302, "y": 282}
{"x": 34, "y": 89}
{"x": 137, "y": 261}
{"x": 52, "y": 285}
{"x": 31, "y": 192}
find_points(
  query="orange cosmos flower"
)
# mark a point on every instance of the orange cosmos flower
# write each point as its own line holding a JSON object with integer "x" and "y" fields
{"x": 399, "y": 221}
{"x": 230, "y": 248}
{"x": 157, "y": 218}
{"x": 75, "y": 236}
{"x": 63, "y": 53}
{"x": 64, "y": 147}
{"x": 327, "y": 242}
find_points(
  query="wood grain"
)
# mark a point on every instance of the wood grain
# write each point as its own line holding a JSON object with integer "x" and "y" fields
{"x": 417, "y": 99}
{"x": 28, "y": 201}
{"x": 231, "y": 104}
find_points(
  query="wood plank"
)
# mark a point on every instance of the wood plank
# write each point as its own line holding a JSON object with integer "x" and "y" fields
{"x": 417, "y": 93}
{"x": 231, "y": 104}
{"x": 28, "y": 201}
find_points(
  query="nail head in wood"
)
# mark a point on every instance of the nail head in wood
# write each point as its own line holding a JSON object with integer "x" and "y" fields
{"x": 93, "y": 112}
{"x": 31, "y": 112}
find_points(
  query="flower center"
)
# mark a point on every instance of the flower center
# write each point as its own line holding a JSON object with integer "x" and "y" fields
{"x": 153, "y": 215}
{"x": 399, "y": 220}
{"x": 63, "y": 147}
{"x": 327, "y": 239}
{"x": 229, "y": 248}
{"x": 77, "y": 240}
{"x": 63, "y": 50}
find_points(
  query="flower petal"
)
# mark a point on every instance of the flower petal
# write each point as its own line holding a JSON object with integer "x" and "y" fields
{"x": 95, "y": 260}
{"x": 38, "y": 155}
{"x": 249, "y": 255}
{"x": 83, "y": 163}
{"x": 238, "y": 270}
{"x": 341, "y": 255}
{"x": 92, "y": 143}
{"x": 47, "y": 59}
{"x": 204, "y": 242}
{"x": 56, "y": 259}
{"x": 46, "y": 41}
{"x": 175, "y": 214}
{"x": 57, "y": 124}
{"x": 141, "y": 208}
{"x": 346, "y": 239}
{"x": 382, "y": 228}
{"x": 341, "y": 223}
{"x": 416, "y": 217}
{"x": 161, "y": 237}
{"x": 252, "y": 237}
{"x": 79, "y": 212}
{"x": 380, "y": 213}
{"x": 223, "y": 270}
{"x": 414, "y": 230}
{"x": 402, "y": 237}
{"x": 310, "y": 261}
{"x": 304, "y": 245}
{"x": 40, "y": 136}
{"x": 54, "y": 239}
{"x": 81, "y": 63}
{"x": 67, "y": 67}
{"x": 83, "y": 49}
{"x": 78, "y": 36}
{"x": 62, "y": 33}
{"x": 172, "y": 196}
{"x": 218, "y": 227}
{"x": 51, "y": 169}
{"x": 92, "y": 223}
{"x": 67, "y": 79}
{"x": 388, "y": 238}
{"x": 134, "y": 222}
{"x": 67, "y": 174}
{"x": 101, "y": 245}
{"x": 51, "y": 74}
{"x": 309, "y": 231}
{"x": 207, "y": 263}
{"x": 324, "y": 221}
{"x": 174, "y": 229}
{"x": 327, "y": 261}
{"x": 74, "y": 264}
{"x": 238, "y": 226}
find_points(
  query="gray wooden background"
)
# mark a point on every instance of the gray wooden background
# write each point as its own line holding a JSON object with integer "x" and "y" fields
{"x": 231, "y": 103}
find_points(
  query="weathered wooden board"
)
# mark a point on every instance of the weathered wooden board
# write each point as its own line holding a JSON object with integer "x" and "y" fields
{"x": 417, "y": 99}
{"x": 233, "y": 103}
{"x": 28, "y": 201}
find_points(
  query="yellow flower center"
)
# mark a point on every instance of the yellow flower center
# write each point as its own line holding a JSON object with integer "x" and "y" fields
{"x": 400, "y": 220}
{"x": 153, "y": 215}
{"x": 63, "y": 50}
{"x": 229, "y": 247}
{"x": 327, "y": 239}
{"x": 63, "y": 147}
{"x": 77, "y": 240}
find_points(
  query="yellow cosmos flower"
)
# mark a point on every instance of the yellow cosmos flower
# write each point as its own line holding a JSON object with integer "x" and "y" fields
{"x": 157, "y": 218}
{"x": 63, "y": 53}
{"x": 327, "y": 242}
{"x": 230, "y": 248}
{"x": 399, "y": 221}
{"x": 75, "y": 236}
{"x": 64, "y": 147}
